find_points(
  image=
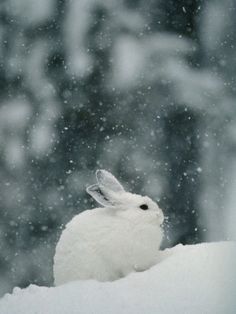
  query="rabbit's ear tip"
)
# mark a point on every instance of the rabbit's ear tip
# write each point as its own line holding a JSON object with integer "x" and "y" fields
{"x": 101, "y": 173}
{"x": 108, "y": 181}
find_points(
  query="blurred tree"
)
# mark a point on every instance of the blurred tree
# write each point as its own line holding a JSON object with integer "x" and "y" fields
{"x": 181, "y": 126}
{"x": 218, "y": 41}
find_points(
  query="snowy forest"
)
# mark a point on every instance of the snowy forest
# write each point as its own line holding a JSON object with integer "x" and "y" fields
{"x": 144, "y": 89}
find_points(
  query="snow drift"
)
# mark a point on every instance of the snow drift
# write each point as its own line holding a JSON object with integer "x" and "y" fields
{"x": 189, "y": 279}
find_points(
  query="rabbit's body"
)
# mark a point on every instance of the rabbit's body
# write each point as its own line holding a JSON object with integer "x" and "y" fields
{"x": 109, "y": 242}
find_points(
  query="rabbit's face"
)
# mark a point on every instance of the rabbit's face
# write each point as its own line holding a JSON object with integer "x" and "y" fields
{"x": 110, "y": 193}
{"x": 133, "y": 206}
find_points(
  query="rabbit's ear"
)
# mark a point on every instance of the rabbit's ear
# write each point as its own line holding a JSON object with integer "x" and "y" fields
{"x": 108, "y": 181}
{"x": 98, "y": 194}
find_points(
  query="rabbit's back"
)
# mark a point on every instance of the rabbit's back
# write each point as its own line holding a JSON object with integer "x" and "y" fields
{"x": 75, "y": 256}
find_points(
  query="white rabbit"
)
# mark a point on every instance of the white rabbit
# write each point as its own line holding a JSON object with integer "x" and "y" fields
{"x": 109, "y": 242}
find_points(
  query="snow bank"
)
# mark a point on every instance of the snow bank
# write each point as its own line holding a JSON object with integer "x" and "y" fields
{"x": 189, "y": 279}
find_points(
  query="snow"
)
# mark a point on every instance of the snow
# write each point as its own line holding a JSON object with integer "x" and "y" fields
{"x": 135, "y": 59}
{"x": 15, "y": 114}
{"x": 213, "y": 25}
{"x": 189, "y": 279}
{"x": 14, "y": 117}
{"x": 79, "y": 18}
{"x": 129, "y": 59}
{"x": 75, "y": 28}
{"x": 31, "y": 11}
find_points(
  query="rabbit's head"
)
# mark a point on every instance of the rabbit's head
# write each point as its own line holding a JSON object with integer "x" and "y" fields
{"x": 110, "y": 193}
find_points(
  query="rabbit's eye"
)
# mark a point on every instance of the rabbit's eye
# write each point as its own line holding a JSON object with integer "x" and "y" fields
{"x": 144, "y": 206}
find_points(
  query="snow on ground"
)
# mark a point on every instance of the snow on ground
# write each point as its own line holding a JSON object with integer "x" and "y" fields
{"x": 190, "y": 279}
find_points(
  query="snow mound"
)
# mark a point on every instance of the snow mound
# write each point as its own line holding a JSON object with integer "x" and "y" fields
{"x": 189, "y": 279}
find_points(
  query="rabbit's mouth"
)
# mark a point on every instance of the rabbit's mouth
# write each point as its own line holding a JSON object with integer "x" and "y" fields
{"x": 156, "y": 219}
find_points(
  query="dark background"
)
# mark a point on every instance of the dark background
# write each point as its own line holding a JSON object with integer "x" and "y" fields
{"x": 143, "y": 88}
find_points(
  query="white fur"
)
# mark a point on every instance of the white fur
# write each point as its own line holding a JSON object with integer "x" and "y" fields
{"x": 109, "y": 242}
